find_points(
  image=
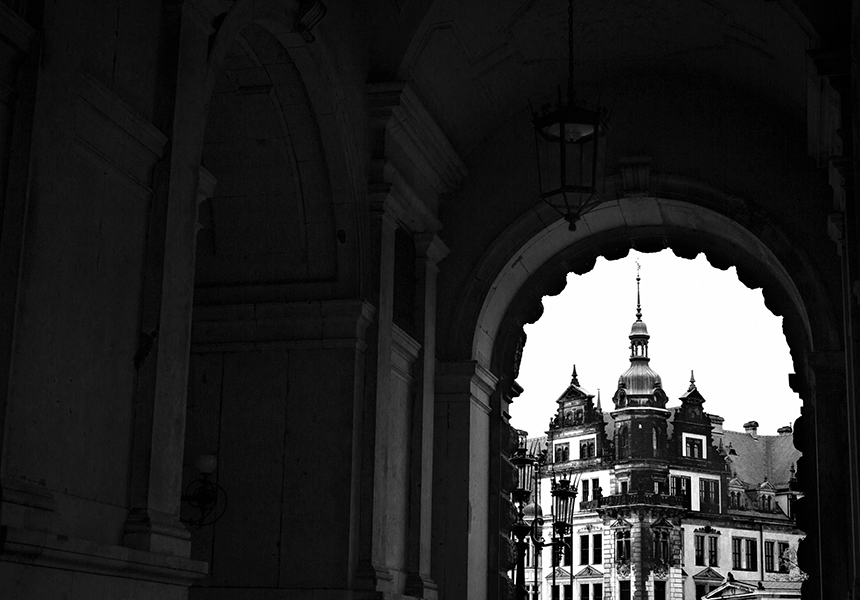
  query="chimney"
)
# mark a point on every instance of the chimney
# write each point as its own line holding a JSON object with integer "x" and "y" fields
{"x": 784, "y": 430}
{"x": 751, "y": 427}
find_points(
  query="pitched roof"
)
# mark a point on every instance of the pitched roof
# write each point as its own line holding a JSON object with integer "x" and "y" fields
{"x": 762, "y": 456}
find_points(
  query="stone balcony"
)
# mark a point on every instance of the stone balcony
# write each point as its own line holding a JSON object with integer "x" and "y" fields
{"x": 635, "y": 498}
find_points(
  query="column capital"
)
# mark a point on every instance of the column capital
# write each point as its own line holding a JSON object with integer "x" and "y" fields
{"x": 430, "y": 246}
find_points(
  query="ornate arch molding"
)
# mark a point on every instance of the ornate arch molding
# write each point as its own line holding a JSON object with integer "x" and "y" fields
{"x": 288, "y": 23}
{"x": 533, "y": 256}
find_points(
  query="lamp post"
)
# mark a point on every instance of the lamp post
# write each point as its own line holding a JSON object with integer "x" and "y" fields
{"x": 529, "y": 520}
{"x": 563, "y": 506}
{"x": 567, "y": 143}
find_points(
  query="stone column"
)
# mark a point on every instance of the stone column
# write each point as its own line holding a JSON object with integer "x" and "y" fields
{"x": 461, "y": 478}
{"x": 373, "y": 574}
{"x": 430, "y": 250}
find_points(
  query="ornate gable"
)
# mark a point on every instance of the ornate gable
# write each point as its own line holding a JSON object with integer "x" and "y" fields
{"x": 708, "y": 574}
{"x": 589, "y": 573}
{"x": 730, "y": 589}
{"x": 621, "y": 524}
{"x": 559, "y": 573}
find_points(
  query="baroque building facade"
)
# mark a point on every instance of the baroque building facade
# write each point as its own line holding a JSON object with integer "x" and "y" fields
{"x": 670, "y": 505}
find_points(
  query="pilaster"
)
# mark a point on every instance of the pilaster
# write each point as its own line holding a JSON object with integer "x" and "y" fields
{"x": 461, "y": 478}
{"x": 430, "y": 250}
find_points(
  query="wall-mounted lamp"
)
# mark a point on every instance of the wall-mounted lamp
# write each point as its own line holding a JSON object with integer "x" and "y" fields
{"x": 205, "y": 495}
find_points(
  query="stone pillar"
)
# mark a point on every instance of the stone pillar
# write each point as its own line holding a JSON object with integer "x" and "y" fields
{"x": 373, "y": 574}
{"x": 461, "y": 478}
{"x": 824, "y": 511}
{"x": 430, "y": 250}
{"x": 165, "y": 334}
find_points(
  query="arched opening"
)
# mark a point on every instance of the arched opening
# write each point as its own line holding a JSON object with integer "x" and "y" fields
{"x": 530, "y": 263}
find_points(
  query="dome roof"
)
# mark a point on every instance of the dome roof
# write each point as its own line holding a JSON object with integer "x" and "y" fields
{"x": 638, "y": 328}
{"x": 640, "y": 378}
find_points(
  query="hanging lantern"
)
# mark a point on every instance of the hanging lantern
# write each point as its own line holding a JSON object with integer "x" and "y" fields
{"x": 569, "y": 142}
{"x": 564, "y": 502}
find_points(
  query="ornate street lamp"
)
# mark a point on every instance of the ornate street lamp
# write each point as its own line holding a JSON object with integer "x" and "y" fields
{"x": 563, "y": 506}
{"x": 568, "y": 140}
{"x": 528, "y": 516}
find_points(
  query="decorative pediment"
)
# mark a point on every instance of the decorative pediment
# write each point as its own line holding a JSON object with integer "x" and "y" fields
{"x": 736, "y": 483}
{"x": 708, "y": 574}
{"x": 662, "y": 523}
{"x": 559, "y": 573}
{"x": 589, "y": 573}
{"x": 766, "y": 486}
{"x": 730, "y": 589}
{"x": 621, "y": 524}
{"x": 707, "y": 529}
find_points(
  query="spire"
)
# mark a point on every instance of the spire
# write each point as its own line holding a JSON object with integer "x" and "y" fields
{"x": 573, "y": 378}
{"x": 692, "y": 382}
{"x": 638, "y": 300}
{"x": 598, "y": 401}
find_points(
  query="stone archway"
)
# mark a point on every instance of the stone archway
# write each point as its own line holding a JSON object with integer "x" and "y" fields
{"x": 532, "y": 258}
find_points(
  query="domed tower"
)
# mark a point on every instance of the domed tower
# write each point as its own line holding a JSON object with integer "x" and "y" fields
{"x": 643, "y": 517}
{"x": 640, "y": 418}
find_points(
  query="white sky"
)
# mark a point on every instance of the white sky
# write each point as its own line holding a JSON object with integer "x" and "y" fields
{"x": 699, "y": 318}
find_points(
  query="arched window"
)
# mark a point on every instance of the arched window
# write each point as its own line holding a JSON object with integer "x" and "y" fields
{"x": 661, "y": 545}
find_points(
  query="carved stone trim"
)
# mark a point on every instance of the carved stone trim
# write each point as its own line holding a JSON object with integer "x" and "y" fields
{"x": 61, "y": 552}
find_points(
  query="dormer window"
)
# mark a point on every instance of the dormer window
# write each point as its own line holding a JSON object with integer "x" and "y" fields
{"x": 562, "y": 452}
{"x": 587, "y": 448}
{"x": 693, "y": 448}
{"x": 694, "y": 445}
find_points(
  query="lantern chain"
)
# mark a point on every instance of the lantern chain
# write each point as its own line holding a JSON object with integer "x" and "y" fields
{"x": 570, "y": 92}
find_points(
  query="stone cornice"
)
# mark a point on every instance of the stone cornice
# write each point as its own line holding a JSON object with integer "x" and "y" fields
{"x": 395, "y": 107}
{"x": 44, "y": 549}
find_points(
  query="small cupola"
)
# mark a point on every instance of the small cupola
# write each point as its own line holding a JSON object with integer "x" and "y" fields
{"x": 639, "y": 385}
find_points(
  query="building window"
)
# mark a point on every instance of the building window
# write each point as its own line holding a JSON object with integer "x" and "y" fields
{"x": 709, "y": 495}
{"x": 596, "y": 548}
{"x": 704, "y": 588}
{"x": 568, "y": 592}
{"x": 622, "y": 545}
{"x": 597, "y": 591}
{"x": 661, "y": 545}
{"x": 768, "y": 556}
{"x": 561, "y": 555}
{"x": 585, "y": 490}
{"x": 744, "y": 554}
{"x": 623, "y": 487}
{"x": 562, "y": 452}
{"x": 624, "y": 590}
{"x": 623, "y": 443}
{"x": 583, "y": 549}
{"x": 680, "y": 486}
{"x": 586, "y": 448}
{"x": 784, "y": 566}
{"x": 700, "y": 550}
{"x": 556, "y": 592}
{"x": 693, "y": 448}
{"x": 713, "y": 558}
{"x": 659, "y": 590}
{"x": 583, "y": 591}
